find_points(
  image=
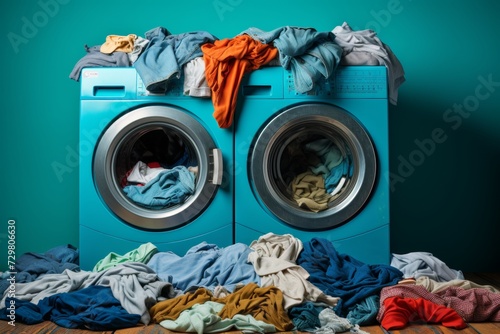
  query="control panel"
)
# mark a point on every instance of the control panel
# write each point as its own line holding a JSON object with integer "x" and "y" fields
{"x": 346, "y": 82}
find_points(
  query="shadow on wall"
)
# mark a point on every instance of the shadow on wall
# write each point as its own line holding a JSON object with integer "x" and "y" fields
{"x": 443, "y": 170}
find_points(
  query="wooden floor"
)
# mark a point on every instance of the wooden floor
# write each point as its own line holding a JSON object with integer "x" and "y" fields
{"x": 415, "y": 328}
{"x": 50, "y": 328}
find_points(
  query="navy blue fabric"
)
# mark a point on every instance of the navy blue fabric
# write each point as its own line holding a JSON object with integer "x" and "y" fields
{"x": 340, "y": 275}
{"x": 22, "y": 311}
{"x": 93, "y": 308}
{"x": 29, "y": 266}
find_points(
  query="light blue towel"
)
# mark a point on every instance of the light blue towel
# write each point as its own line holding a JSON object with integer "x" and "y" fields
{"x": 206, "y": 265}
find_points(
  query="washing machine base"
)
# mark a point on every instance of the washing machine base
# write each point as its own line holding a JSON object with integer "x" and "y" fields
{"x": 97, "y": 245}
{"x": 361, "y": 247}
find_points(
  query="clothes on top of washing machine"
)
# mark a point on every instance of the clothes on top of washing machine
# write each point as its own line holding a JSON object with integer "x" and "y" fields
{"x": 226, "y": 62}
{"x": 195, "y": 82}
{"x": 307, "y": 53}
{"x": 364, "y": 47}
{"x": 166, "y": 54}
{"x": 139, "y": 45}
{"x": 94, "y": 57}
{"x": 118, "y": 43}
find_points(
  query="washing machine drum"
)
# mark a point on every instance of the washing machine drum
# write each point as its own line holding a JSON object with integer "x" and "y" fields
{"x": 157, "y": 167}
{"x": 313, "y": 166}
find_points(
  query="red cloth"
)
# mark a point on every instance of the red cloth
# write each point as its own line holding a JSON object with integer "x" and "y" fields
{"x": 154, "y": 164}
{"x": 226, "y": 61}
{"x": 400, "y": 311}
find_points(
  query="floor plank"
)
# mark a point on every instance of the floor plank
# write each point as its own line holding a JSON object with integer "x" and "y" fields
{"x": 492, "y": 279}
{"x": 486, "y": 327}
{"x": 46, "y": 327}
{"x": 418, "y": 328}
{"x": 373, "y": 329}
{"x": 150, "y": 329}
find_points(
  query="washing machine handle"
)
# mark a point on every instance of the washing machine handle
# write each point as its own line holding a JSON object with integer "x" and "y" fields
{"x": 217, "y": 176}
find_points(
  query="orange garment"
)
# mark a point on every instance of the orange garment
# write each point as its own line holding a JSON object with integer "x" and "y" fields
{"x": 226, "y": 61}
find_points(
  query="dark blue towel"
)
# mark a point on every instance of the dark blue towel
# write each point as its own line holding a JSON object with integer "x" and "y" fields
{"x": 21, "y": 311}
{"x": 93, "y": 308}
{"x": 54, "y": 261}
{"x": 340, "y": 275}
{"x": 29, "y": 266}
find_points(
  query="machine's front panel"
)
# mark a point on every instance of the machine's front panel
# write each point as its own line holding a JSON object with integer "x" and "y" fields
{"x": 312, "y": 165}
{"x": 155, "y": 168}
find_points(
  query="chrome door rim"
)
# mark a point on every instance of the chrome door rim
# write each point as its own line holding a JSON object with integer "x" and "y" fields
{"x": 129, "y": 125}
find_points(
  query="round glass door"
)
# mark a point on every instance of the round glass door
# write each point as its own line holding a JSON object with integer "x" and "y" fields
{"x": 157, "y": 168}
{"x": 313, "y": 166}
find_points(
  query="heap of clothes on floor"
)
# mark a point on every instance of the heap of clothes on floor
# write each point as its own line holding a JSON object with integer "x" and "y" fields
{"x": 214, "y": 68}
{"x": 277, "y": 283}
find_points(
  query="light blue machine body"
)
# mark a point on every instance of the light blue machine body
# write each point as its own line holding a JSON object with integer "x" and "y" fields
{"x": 116, "y": 111}
{"x": 350, "y": 105}
{"x": 240, "y": 194}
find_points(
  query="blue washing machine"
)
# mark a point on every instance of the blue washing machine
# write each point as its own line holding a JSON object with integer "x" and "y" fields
{"x": 153, "y": 168}
{"x": 287, "y": 144}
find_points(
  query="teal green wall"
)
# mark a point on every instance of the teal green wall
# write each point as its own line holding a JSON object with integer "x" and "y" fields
{"x": 444, "y": 196}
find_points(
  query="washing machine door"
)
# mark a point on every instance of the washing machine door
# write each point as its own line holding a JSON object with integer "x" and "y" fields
{"x": 313, "y": 166}
{"x": 157, "y": 167}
